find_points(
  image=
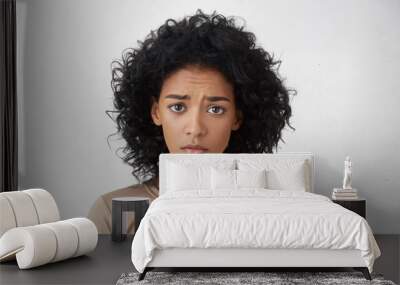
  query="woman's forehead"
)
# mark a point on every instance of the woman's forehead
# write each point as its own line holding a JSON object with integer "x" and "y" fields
{"x": 194, "y": 81}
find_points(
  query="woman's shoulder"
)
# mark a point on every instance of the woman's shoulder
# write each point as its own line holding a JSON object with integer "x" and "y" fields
{"x": 147, "y": 189}
{"x": 144, "y": 189}
{"x": 100, "y": 212}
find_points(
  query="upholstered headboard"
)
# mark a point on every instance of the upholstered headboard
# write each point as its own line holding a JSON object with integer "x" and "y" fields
{"x": 214, "y": 158}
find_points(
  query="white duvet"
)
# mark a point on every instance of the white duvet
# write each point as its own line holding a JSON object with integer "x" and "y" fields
{"x": 252, "y": 218}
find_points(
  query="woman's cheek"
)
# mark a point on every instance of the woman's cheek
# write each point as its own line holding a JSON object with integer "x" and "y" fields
{"x": 219, "y": 133}
{"x": 172, "y": 121}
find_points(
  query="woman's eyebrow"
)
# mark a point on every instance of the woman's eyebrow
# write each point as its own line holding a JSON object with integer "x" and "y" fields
{"x": 187, "y": 97}
{"x": 180, "y": 97}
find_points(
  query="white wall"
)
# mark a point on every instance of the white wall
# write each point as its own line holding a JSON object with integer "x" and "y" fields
{"x": 341, "y": 56}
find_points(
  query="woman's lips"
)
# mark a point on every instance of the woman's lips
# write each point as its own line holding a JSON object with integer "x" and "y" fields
{"x": 189, "y": 149}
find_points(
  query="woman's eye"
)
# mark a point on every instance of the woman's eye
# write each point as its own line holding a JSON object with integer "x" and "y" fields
{"x": 176, "y": 108}
{"x": 216, "y": 110}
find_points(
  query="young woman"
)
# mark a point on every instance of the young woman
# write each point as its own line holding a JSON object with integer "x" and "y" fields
{"x": 193, "y": 86}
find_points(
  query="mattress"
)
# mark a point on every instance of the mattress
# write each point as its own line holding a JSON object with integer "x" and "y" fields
{"x": 250, "y": 219}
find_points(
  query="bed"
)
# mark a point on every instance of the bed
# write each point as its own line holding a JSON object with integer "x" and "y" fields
{"x": 247, "y": 211}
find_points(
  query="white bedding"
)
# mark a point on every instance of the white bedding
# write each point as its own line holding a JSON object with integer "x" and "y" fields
{"x": 251, "y": 218}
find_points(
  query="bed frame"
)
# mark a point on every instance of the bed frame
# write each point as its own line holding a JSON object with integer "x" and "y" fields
{"x": 250, "y": 259}
{"x": 236, "y": 259}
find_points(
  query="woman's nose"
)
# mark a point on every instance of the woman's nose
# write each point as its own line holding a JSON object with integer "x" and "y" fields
{"x": 195, "y": 126}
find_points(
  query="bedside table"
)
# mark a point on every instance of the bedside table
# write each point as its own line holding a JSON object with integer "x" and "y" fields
{"x": 138, "y": 205}
{"x": 358, "y": 206}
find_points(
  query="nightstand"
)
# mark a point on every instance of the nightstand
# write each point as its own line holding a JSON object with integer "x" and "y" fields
{"x": 121, "y": 205}
{"x": 358, "y": 206}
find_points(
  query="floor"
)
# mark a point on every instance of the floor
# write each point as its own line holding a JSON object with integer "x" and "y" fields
{"x": 388, "y": 263}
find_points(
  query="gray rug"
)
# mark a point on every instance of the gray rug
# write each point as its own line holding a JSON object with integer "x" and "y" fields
{"x": 228, "y": 278}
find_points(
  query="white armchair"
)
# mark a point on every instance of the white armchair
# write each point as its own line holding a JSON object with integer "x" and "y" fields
{"x": 32, "y": 233}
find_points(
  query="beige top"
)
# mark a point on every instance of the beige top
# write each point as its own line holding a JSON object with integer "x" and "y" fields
{"x": 100, "y": 213}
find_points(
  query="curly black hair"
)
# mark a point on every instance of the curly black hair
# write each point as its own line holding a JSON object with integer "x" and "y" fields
{"x": 211, "y": 41}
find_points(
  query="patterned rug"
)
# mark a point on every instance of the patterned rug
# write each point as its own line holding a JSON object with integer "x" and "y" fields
{"x": 273, "y": 278}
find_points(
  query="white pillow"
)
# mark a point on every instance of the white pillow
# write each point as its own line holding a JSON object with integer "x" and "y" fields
{"x": 251, "y": 178}
{"x": 282, "y": 174}
{"x": 236, "y": 179}
{"x": 186, "y": 175}
{"x": 288, "y": 179}
{"x": 223, "y": 179}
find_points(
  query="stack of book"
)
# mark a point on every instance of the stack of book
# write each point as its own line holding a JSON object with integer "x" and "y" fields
{"x": 344, "y": 194}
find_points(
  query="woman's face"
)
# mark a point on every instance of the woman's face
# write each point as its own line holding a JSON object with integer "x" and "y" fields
{"x": 196, "y": 111}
